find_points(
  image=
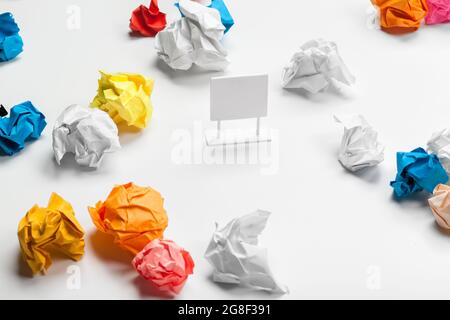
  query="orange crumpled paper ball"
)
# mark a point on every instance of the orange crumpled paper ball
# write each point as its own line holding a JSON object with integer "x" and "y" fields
{"x": 401, "y": 16}
{"x": 133, "y": 215}
{"x": 165, "y": 265}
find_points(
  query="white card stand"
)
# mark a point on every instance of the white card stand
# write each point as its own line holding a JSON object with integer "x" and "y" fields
{"x": 218, "y": 136}
{"x": 233, "y": 98}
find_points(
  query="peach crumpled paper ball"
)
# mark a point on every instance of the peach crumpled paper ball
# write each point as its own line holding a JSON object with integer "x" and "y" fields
{"x": 165, "y": 265}
{"x": 440, "y": 205}
{"x": 133, "y": 215}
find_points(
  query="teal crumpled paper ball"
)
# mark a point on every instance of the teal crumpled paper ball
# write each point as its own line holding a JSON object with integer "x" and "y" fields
{"x": 11, "y": 44}
{"x": 417, "y": 170}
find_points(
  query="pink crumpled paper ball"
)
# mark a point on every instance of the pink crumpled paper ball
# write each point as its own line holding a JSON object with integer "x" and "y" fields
{"x": 438, "y": 11}
{"x": 165, "y": 265}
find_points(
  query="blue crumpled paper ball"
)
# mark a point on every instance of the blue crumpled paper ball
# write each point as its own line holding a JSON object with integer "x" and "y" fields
{"x": 25, "y": 123}
{"x": 417, "y": 170}
{"x": 11, "y": 44}
{"x": 225, "y": 16}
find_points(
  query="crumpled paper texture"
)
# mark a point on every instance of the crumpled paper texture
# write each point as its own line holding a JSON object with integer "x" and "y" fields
{"x": 438, "y": 11}
{"x": 359, "y": 147}
{"x": 125, "y": 97}
{"x": 440, "y": 205}
{"x": 25, "y": 123}
{"x": 401, "y": 16}
{"x": 236, "y": 257}
{"x": 193, "y": 39}
{"x": 11, "y": 44}
{"x": 315, "y": 66}
{"x": 133, "y": 215}
{"x": 148, "y": 21}
{"x": 225, "y": 15}
{"x": 87, "y": 133}
{"x": 165, "y": 265}
{"x": 45, "y": 229}
{"x": 417, "y": 170}
{"x": 439, "y": 144}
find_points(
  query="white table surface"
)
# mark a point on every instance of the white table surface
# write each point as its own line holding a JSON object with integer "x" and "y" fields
{"x": 332, "y": 234}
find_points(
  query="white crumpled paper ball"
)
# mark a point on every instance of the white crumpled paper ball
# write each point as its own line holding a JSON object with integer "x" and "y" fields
{"x": 359, "y": 146}
{"x": 315, "y": 66}
{"x": 88, "y": 133}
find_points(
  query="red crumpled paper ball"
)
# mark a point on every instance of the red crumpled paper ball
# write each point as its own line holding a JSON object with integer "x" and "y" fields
{"x": 165, "y": 265}
{"x": 148, "y": 21}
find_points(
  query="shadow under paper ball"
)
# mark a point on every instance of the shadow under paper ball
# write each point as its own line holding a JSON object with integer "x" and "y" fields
{"x": 329, "y": 94}
{"x": 416, "y": 199}
{"x": 370, "y": 174}
{"x": 68, "y": 162}
{"x": 22, "y": 268}
{"x": 194, "y": 77}
{"x": 60, "y": 263}
{"x": 241, "y": 291}
{"x": 106, "y": 250}
{"x": 442, "y": 231}
{"x": 6, "y": 63}
{"x": 146, "y": 289}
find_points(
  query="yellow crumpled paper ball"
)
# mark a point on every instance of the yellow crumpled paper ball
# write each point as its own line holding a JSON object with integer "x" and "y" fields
{"x": 44, "y": 229}
{"x": 125, "y": 97}
{"x": 132, "y": 214}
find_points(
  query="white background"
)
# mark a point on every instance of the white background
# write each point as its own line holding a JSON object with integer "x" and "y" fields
{"x": 332, "y": 234}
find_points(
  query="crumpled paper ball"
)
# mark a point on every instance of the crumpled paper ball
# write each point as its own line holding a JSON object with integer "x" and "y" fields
{"x": 25, "y": 123}
{"x": 133, "y": 215}
{"x": 46, "y": 229}
{"x": 438, "y": 11}
{"x": 359, "y": 147}
{"x": 440, "y": 205}
{"x": 315, "y": 66}
{"x": 401, "y": 16}
{"x": 236, "y": 257}
{"x": 148, "y": 21}
{"x": 11, "y": 44}
{"x": 87, "y": 133}
{"x": 417, "y": 170}
{"x": 165, "y": 265}
{"x": 439, "y": 144}
{"x": 125, "y": 97}
{"x": 193, "y": 39}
